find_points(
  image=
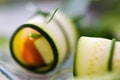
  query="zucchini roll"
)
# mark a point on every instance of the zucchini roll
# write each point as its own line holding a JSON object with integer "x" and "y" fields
{"x": 96, "y": 56}
{"x": 40, "y": 47}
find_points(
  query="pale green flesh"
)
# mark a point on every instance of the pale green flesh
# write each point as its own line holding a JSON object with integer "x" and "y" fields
{"x": 45, "y": 50}
{"x": 96, "y": 56}
{"x": 91, "y": 56}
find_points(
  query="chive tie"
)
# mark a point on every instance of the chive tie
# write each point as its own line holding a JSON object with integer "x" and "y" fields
{"x": 34, "y": 35}
{"x": 111, "y": 54}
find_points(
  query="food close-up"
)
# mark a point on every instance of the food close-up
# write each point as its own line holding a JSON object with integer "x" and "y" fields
{"x": 60, "y": 40}
{"x": 40, "y": 46}
{"x": 96, "y": 56}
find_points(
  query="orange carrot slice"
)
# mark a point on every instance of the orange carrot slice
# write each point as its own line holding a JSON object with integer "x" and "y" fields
{"x": 30, "y": 54}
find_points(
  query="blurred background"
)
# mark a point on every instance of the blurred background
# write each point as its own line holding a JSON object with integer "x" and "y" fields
{"x": 96, "y": 18}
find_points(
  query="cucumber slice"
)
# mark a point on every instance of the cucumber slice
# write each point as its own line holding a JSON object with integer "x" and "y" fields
{"x": 91, "y": 56}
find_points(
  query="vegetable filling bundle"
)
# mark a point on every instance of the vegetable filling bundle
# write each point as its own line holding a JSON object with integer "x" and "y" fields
{"x": 39, "y": 46}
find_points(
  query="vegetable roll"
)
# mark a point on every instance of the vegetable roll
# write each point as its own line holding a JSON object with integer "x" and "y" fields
{"x": 40, "y": 47}
{"x": 96, "y": 56}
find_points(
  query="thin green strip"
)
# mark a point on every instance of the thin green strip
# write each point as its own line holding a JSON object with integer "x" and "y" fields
{"x": 34, "y": 35}
{"x": 52, "y": 15}
{"x": 111, "y": 55}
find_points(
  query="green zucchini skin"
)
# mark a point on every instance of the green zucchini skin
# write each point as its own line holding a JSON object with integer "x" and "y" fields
{"x": 32, "y": 68}
{"x": 75, "y": 60}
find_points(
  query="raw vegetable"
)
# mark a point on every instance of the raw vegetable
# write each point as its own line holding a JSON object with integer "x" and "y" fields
{"x": 96, "y": 56}
{"x": 40, "y": 45}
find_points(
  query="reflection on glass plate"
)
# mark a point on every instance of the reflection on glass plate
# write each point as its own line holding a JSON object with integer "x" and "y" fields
{"x": 6, "y": 75}
{"x": 65, "y": 74}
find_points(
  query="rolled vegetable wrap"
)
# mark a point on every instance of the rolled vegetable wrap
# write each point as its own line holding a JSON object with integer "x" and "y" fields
{"x": 40, "y": 47}
{"x": 96, "y": 56}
